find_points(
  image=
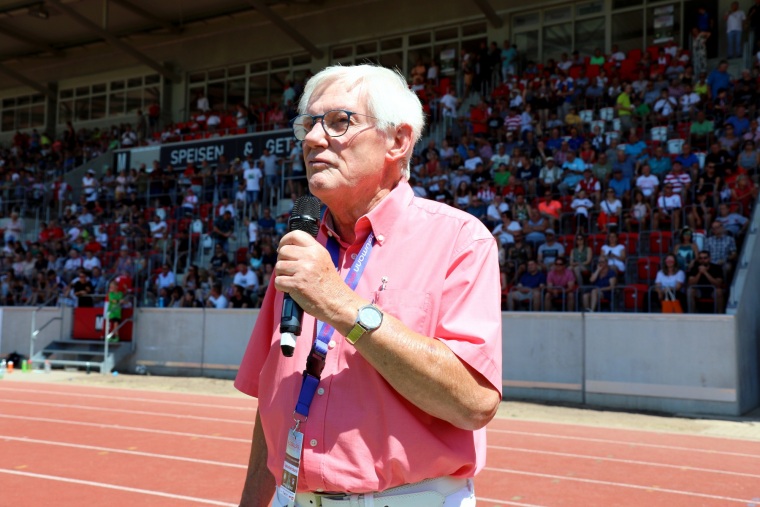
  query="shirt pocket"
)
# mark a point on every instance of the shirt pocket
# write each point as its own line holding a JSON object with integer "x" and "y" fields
{"x": 409, "y": 306}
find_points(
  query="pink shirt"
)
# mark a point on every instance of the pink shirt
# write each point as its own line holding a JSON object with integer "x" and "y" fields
{"x": 555, "y": 279}
{"x": 361, "y": 436}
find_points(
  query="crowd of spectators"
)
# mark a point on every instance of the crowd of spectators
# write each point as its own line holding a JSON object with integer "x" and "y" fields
{"x": 606, "y": 180}
{"x": 596, "y": 172}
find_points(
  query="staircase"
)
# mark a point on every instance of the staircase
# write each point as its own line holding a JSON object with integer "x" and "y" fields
{"x": 83, "y": 354}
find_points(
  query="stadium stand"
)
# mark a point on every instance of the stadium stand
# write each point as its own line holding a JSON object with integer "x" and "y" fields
{"x": 612, "y": 149}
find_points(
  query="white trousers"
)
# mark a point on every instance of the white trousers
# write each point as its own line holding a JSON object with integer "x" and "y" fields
{"x": 463, "y": 497}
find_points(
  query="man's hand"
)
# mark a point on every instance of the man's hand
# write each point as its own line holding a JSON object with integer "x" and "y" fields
{"x": 305, "y": 270}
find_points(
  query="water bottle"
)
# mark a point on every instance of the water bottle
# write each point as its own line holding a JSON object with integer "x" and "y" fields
{"x": 2, "y": 368}
{"x": 24, "y": 365}
{"x": 161, "y": 302}
{"x": 10, "y": 366}
{"x": 48, "y": 367}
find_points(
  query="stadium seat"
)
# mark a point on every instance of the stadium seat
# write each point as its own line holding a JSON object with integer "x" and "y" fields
{"x": 660, "y": 242}
{"x": 634, "y": 297}
{"x": 634, "y": 54}
{"x": 241, "y": 255}
{"x": 675, "y": 146}
{"x": 647, "y": 268}
{"x": 596, "y": 241}
{"x": 631, "y": 242}
{"x": 599, "y": 123}
{"x": 607, "y": 113}
{"x": 587, "y": 115}
{"x": 659, "y": 134}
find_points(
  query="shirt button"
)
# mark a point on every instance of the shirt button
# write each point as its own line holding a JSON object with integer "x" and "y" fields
{"x": 353, "y": 256}
{"x": 331, "y": 345}
{"x": 380, "y": 237}
{"x": 320, "y": 391}
{"x": 313, "y": 442}
{"x": 320, "y": 490}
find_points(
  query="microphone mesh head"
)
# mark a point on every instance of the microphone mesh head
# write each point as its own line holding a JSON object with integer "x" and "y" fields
{"x": 305, "y": 215}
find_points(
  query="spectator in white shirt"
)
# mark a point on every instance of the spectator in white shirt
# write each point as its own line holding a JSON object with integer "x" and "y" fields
{"x": 225, "y": 206}
{"x": 647, "y": 182}
{"x": 189, "y": 202}
{"x": 91, "y": 261}
{"x": 247, "y": 279}
{"x": 689, "y": 100}
{"x": 216, "y": 299}
{"x": 668, "y": 208}
{"x": 582, "y": 206}
{"x": 665, "y": 106}
{"x": 72, "y": 264}
{"x": 165, "y": 279}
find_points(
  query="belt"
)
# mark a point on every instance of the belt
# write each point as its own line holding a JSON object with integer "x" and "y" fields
{"x": 427, "y": 493}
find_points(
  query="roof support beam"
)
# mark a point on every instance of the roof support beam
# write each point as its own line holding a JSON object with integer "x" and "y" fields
{"x": 490, "y": 13}
{"x": 28, "y": 82}
{"x": 283, "y": 25}
{"x": 114, "y": 41}
{"x": 147, "y": 15}
{"x": 23, "y": 36}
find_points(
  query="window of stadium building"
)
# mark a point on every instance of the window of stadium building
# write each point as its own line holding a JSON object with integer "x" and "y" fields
{"x": 26, "y": 111}
{"x": 120, "y": 97}
{"x": 629, "y": 24}
{"x": 256, "y": 85}
{"x": 404, "y": 52}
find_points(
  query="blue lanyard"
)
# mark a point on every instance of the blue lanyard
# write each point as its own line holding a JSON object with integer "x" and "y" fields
{"x": 315, "y": 363}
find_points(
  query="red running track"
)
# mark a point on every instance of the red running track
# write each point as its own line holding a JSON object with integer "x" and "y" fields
{"x": 73, "y": 445}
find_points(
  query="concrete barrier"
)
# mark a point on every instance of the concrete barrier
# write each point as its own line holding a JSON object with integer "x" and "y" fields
{"x": 666, "y": 363}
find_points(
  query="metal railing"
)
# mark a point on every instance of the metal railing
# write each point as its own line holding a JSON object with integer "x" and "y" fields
{"x": 36, "y": 331}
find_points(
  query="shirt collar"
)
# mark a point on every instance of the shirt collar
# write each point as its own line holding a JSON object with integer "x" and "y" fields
{"x": 381, "y": 218}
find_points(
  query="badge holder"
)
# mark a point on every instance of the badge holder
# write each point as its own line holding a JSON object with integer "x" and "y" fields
{"x": 315, "y": 363}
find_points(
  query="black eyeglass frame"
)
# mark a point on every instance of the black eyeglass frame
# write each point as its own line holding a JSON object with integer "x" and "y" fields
{"x": 321, "y": 119}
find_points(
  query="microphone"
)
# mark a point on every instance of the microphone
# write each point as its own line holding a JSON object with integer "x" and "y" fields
{"x": 304, "y": 217}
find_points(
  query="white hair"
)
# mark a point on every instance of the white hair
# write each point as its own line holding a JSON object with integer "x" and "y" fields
{"x": 389, "y": 99}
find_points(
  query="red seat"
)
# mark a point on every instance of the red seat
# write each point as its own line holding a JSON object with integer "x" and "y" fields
{"x": 568, "y": 241}
{"x": 660, "y": 242}
{"x": 592, "y": 71}
{"x": 634, "y": 54}
{"x": 241, "y": 255}
{"x": 596, "y": 242}
{"x": 205, "y": 209}
{"x": 647, "y": 268}
{"x": 631, "y": 242}
{"x": 634, "y": 297}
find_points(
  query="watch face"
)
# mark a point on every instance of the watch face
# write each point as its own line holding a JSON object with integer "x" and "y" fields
{"x": 370, "y": 317}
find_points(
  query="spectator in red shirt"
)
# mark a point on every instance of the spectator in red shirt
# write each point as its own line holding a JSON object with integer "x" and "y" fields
{"x": 479, "y": 119}
{"x": 560, "y": 285}
{"x": 550, "y": 208}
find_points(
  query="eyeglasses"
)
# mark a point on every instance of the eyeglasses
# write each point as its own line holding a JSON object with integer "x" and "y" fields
{"x": 335, "y": 123}
{"x": 704, "y": 258}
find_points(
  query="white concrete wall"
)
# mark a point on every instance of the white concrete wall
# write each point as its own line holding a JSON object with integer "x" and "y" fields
{"x": 668, "y": 363}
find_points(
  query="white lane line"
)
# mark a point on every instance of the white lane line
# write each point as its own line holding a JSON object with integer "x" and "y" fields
{"x": 125, "y": 428}
{"x": 127, "y": 398}
{"x": 118, "y": 488}
{"x": 650, "y": 489}
{"x": 628, "y": 443}
{"x": 121, "y": 451}
{"x": 626, "y": 461}
{"x": 126, "y": 411}
{"x": 505, "y": 502}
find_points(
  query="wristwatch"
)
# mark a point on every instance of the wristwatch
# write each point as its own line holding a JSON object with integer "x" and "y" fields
{"x": 370, "y": 317}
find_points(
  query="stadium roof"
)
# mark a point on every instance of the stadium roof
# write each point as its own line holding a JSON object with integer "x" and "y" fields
{"x": 31, "y": 31}
{"x": 47, "y": 41}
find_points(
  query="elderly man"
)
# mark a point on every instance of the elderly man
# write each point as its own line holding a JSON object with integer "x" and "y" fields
{"x": 409, "y": 352}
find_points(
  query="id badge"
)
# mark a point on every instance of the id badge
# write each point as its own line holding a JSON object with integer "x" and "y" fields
{"x": 291, "y": 466}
